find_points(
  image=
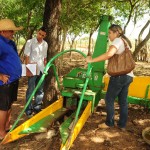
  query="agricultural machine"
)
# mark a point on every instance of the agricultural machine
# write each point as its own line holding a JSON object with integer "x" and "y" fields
{"x": 82, "y": 90}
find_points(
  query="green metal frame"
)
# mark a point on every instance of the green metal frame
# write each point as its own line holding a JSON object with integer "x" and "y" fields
{"x": 73, "y": 82}
{"x": 49, "y": 64}
{"x": 86, "y": 83}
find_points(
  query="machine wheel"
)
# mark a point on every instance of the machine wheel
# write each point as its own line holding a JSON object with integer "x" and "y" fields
{"x": 146, "y": 135}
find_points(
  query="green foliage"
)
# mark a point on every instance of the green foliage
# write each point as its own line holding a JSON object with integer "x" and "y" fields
{"x": 26, "y": 13}
{"x": 123, "y": 9}
{"x": 77, "y": 16}
{"x": 83, "y": 15}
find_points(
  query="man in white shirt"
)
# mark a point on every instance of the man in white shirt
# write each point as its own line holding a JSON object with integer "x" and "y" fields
{"x": 36, "y": 53}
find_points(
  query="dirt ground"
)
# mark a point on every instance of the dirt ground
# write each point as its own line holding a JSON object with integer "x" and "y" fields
{"x": 90, "y": 137}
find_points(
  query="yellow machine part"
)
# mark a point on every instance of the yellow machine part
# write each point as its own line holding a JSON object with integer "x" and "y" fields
{"x": 14, "y": 135}
{"x": 137, "y": 88}
{"x": 79, "y": 125}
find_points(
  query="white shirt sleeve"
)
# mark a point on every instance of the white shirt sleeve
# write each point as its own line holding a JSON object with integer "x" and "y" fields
{"x": 46, "y": 48}
{"x": 27, "y": 49}
{"x": 118, "y": 43}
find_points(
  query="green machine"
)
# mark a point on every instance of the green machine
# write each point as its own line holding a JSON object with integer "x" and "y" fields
{"x": 74, "y": 81}
{"x": 82, "y": 90}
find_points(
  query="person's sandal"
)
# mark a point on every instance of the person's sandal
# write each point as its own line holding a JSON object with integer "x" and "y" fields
{"x": 103, "y": 126}
{"x": 1, "y": 138}
{"x": 7, "y": 130}
{"x": 122, "y": 129}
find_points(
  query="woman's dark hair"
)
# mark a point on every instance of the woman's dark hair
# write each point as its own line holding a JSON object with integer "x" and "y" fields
{"x": 117, "y": 28}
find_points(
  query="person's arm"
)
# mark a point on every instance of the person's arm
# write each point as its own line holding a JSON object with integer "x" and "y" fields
{"x": 111, "y": 51}
{"x": 45, "y": 61}
{"x": 45, "y": 53}
{"x": 4, "y": 78}
{"x": 27, "y": 51}
{"x": 27, "y": 59}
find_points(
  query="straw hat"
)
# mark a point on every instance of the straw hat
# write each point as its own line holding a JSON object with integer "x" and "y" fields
{"x": 7, "y": 24}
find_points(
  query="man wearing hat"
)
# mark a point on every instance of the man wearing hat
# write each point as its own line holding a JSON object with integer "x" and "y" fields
{"x": 10, "y": 72}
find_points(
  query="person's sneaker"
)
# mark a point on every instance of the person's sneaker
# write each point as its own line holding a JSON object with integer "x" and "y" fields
{"x": 29, "y": 114}
{"x": 104, "y": 126}
{"x": 37, "y": 111}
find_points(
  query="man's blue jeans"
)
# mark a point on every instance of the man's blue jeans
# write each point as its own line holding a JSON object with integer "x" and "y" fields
{"x": 38, "y": 97}
{"x": 118, "y": 87}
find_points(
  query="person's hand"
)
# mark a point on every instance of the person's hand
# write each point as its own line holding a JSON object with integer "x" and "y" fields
{"x": 88, "y": 59}
{"x": 4, "y": 78}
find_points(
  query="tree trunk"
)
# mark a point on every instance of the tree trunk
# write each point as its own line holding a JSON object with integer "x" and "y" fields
{"x": 29, "y": 36}
{"x": 89, "y": 46}
{"x": 142, "y": 31}
{"x": 64, "y": 36}
{"x": 132, "y": 5}
{"x": 30, "y": 31}
{"x": 90, "y": 38}
{"x": 60, "y": 64}
{"x": 51, "y": 22}
{"x": 142, "y": 43}
{"x": 71, "y": 46}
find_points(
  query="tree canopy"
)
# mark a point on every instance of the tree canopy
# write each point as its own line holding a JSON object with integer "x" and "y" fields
{"x": 77, "y": 16}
